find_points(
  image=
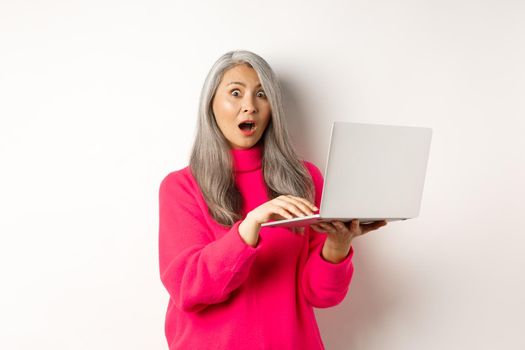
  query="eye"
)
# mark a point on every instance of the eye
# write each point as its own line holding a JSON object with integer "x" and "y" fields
{"x": 260, "y": 93}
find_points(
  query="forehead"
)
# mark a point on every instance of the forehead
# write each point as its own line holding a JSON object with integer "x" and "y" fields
{"x": 240, "y": 73}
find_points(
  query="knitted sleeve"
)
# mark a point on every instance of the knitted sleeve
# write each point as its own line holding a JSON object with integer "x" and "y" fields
{"x": 196, "y": 269}
{"x": 324, "y": 283}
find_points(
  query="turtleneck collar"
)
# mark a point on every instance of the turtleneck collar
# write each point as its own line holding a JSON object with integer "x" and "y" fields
{"x": 248, "y": 159}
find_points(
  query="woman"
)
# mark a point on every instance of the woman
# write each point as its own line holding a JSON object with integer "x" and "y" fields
{"x": 233, "y": 284}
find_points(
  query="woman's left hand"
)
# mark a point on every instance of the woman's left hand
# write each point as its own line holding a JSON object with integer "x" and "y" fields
{"x": 340, "y": 235}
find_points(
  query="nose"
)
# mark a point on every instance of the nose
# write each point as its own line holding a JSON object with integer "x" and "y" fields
{"x": 248, "y": 106}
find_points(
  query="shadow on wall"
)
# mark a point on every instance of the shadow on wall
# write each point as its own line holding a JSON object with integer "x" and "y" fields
{"x": 372, "y": 304}
{"x": 297, "y": 119}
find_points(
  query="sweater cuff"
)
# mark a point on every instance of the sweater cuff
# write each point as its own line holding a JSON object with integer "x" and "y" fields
{"x": 332, "y": 273}
{"x": 238, "y": 248}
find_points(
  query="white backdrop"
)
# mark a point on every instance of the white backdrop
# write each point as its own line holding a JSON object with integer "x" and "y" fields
{"x": 98, "y": 102}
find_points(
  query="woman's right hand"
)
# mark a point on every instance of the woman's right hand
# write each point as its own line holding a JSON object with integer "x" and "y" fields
{"x": 282, "y": 207}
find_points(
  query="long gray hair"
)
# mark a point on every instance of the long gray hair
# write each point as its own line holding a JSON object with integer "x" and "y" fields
{"x": 211, "y": 163}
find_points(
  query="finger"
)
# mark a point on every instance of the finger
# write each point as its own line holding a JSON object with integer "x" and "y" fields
{"x": 373, "y": 226}
{"x": 301, "y": 203}
{"x": 340, "y": 226}
{"x": 288, "y": 206}
{"x": 281, "y": 211}
{"x": 317, "y": 228}
{"x": 354, "y": 225}
{"x": 304, "y": 201}
{"x": 327, "y": 226}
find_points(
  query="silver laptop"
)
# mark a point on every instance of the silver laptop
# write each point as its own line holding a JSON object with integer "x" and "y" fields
{"x": 373, "y": 172}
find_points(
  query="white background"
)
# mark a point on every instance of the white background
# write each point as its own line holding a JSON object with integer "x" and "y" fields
{"x": 98, "y": 102}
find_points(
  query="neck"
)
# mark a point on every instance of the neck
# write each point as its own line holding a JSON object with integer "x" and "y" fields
{"x": 247, "y": 159}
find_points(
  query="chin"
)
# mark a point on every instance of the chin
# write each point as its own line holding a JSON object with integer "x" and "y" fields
{"x": 244, "y": 144}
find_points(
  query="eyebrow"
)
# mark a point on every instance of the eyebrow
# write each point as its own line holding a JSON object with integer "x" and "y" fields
{"x": 238, "y": 82}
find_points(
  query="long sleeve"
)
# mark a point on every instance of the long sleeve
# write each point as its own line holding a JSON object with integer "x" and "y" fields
{"x": 196, "y": 269}
{"x": 324, "y": 284}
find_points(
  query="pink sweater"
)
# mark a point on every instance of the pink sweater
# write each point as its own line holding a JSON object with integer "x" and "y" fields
{"x": 226, "y": 294}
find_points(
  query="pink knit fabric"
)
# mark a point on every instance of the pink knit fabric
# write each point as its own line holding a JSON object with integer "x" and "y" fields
{"x": 226, "y": 294}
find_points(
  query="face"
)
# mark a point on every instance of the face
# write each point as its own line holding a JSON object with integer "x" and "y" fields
{"x": 241, "y": 108}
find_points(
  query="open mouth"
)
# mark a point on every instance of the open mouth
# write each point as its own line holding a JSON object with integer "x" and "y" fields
{"x": 247, "y": 126}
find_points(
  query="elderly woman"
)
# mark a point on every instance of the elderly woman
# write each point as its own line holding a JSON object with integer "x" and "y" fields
{"x": 233, "y": 284}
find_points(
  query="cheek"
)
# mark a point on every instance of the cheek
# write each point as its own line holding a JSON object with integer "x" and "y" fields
{"x": 267, "y": 111}
{"x": 222, "y": 104}
{"x": 225, "y": 105}
{"x": 224, "y": 112}
{"x": 268, "y": 118}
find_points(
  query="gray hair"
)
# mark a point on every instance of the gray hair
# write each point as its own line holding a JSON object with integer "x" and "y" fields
{"x": 211, "y": 163}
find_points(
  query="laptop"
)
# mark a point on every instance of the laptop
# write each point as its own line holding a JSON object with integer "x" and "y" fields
{"x": 373, "y": 172}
